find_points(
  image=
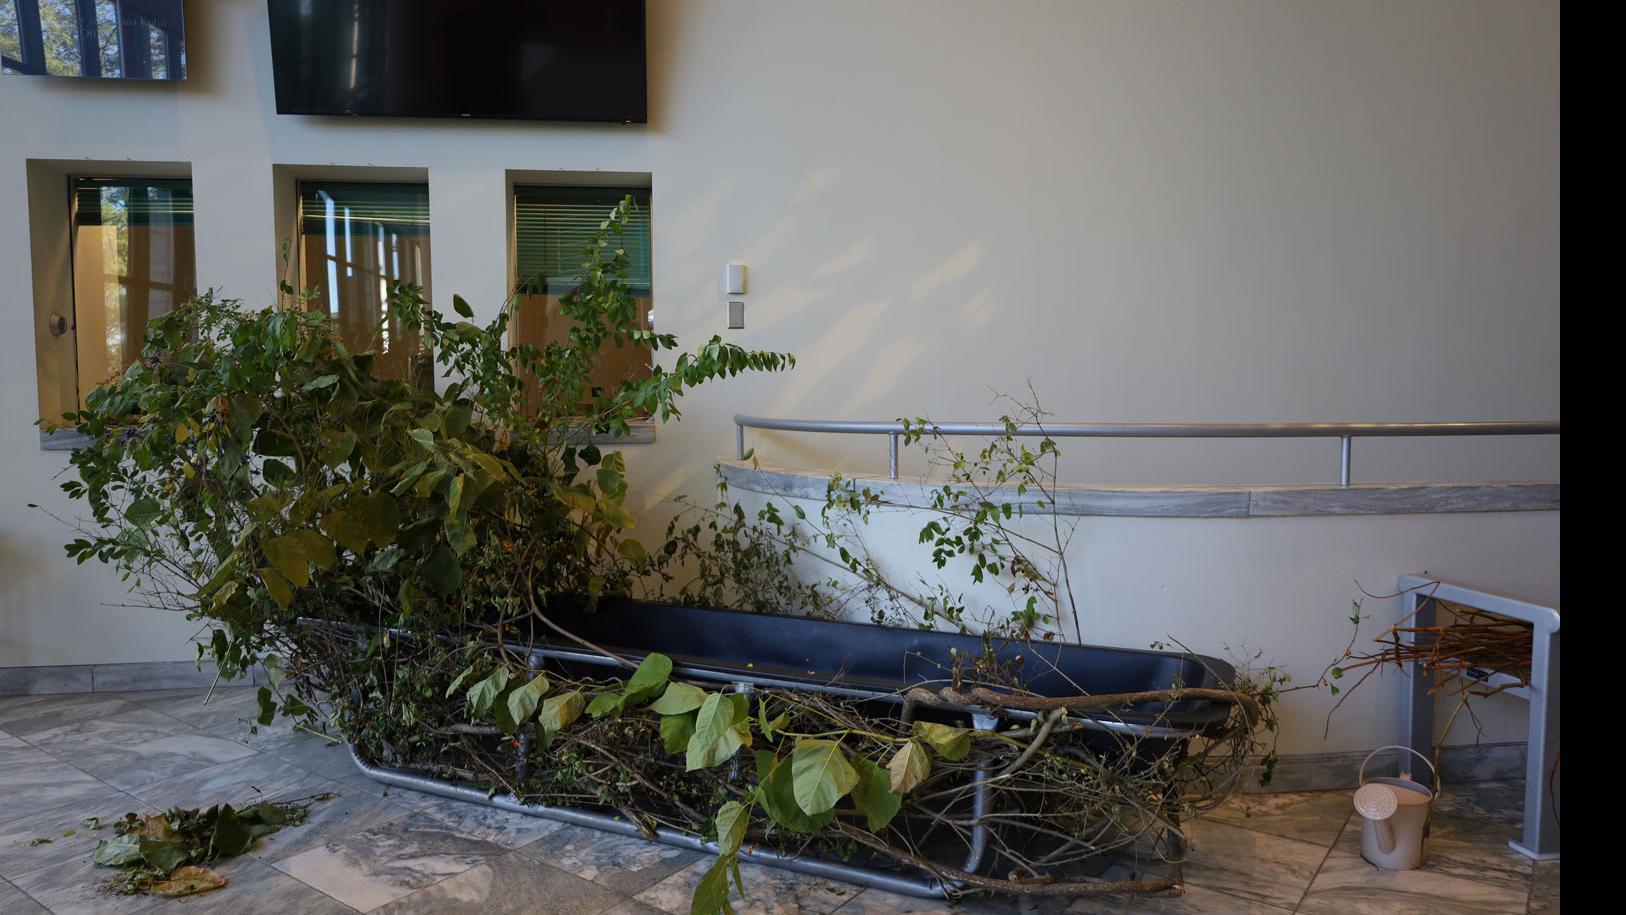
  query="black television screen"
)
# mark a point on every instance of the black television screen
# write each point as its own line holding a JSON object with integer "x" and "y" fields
{"x": 547, "y": 60}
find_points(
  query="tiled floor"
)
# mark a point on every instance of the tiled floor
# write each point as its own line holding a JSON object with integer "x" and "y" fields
{"x": 373, "y": 849}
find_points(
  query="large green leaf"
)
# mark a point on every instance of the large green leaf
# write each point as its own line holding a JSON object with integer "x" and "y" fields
{"x": 484, "y": 693}
{"x": 280, "y": 589}
{"x": 142, "y": 512}
{"x": 440, "y": 571}
{"x": 679, "y": 698}
{"x": 295, "y": 552}
{"x": 336, "y": 448}
{"x": 873, "y": 795}
{"x": 559, "y": 711}
{"x": 732, "y": 818}
{"x": 676, "y": 731}
{"x": 821, "y": 775}
{"x": 522, "y": 702}
{"x": 711, "y": 893}
{"x": 719, "y": 730}
{"x": 779, "y": 798}
{"x": 951, "y": 743}
{"x": 649, "y": 678}
{"x": 117, "y": 852}
{"x": 164, "y": 854}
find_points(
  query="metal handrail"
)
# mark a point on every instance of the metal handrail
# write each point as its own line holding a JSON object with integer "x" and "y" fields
{"x": 1344, "y": 432}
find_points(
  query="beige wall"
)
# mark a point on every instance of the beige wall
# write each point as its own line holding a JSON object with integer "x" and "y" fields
{"x": 1154, "y": 211}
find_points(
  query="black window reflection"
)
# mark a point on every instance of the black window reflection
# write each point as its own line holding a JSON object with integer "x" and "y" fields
{"x": 112, "y": 39}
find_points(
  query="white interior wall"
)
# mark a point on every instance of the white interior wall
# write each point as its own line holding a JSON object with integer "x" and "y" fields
{"x": 1241, "y": 210}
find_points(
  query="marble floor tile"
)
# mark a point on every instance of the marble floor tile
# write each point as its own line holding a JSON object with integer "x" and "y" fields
{"x": 880, "y": 902}
{"x": 123, "y": 728}
{"x": 404, "y": 797}
{"x": 130, "y": 766}
{"x": 1250, "y": 865}
{"x": 254, "y": 887}
{"x": 499, "y": 827}
{"x": 18, "y": 857}
{"x": 1501, "y": 803}
{"x": 331, "y": 819}
{"x": 631, "y": 907}
{"x": 41, "y": 713}
{"x": 1309, "y": 816}
{"x": 244, "y": 781}
{"x": 308, "y": 751}
{"x": 768, "y": 891}
{"x": 1348, "y": 885}
{"x": 227, "y": 711}
{"x": 1196, "y": 900}
{"x": 509, "y": 885}
{"x": 32, "y": 780}
{"x": 77, "y": 886}
{"x": 622, "y": 863}
{"x": 16, "y": 902}
{"x": 370, "y": 868}
{"x": 1544, "y": 889}
{"x": 1461, "y": 847}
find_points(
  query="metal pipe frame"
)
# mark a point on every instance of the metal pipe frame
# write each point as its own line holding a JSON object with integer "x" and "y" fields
{"x": 924, "y": 887}
{"x": 1344, "y": 432}
{"x": 1419, "y": 602}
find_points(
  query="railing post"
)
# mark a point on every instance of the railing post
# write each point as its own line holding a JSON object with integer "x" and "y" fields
{"x": 1343, "y": 459}
{"x": 739, "y": 442}
{"x": 892, "y": 455}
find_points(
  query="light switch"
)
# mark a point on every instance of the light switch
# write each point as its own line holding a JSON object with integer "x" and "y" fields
{"x": 734, "y": 279}
{"x": 736, "y": 315}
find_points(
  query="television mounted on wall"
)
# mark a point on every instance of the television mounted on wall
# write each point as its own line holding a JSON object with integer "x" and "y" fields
{"x": 544, "y": 60}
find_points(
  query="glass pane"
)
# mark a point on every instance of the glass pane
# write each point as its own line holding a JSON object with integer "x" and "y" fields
{"x": 553, "y": 227}
{"x": 59, "y": 28}
{"x": 11, "y": 40}
{"x": 132, "y": 261}
{"x": 107, "y": 36}
{"x": 357, "y": 240}
{"x": 158, "y": 53}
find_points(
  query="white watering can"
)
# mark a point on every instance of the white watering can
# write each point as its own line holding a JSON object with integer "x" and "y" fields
{"x": 1394, "y": 815}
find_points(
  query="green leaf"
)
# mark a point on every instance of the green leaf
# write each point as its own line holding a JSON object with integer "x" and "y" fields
{"x": 118, "y": 851}
{"x": 295, "y": 552}
{"x": 649, "y": 679}
{"x": 164, "y": 854}
{"x": 458, "y": 681}
{"x": 821, "y": 775}
{"x": 268, "y": 706}
{"x": 142, "y": 512}
{"x": 951, "y": 743}
{"x": 732, "y": 819}
{"x": 909, "y": 767}
{"x": 679, "y": 698}
{"x": 280, "y": 589}
{"x": 607, "y": 704}
{"x": 873, "y": 795}
{"x": 559, "y": 711}
{"x": 779, "y": 799}
{"x": 231, "y": 835}
{"x": 711, "y": 893}
{"x": 441, "y": 571}
{"x": 484, "y": 693}
{"x": 717, "y": 733}
{"x": 523, "y": 701}
{"x": 337, "y": 449}
{"x": 676, "y": 730}
{"x": 462, "y": 307}
{"x": 633, "y": 551}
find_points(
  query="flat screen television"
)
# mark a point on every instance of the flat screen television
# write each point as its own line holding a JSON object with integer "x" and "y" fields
{"x": 545, "y": 60}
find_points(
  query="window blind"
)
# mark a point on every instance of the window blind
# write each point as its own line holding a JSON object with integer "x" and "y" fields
{"x": 554, "y": 226}
{"x": 135, "y": 201}
{"x": 402, "y": 209}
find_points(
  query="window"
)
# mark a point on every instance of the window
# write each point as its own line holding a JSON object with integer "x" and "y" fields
{"x": 132, "y": 261}
{"x": 119, "y": 39}
{"x": 355, "y": 241}
{"x": 552, "y": 228}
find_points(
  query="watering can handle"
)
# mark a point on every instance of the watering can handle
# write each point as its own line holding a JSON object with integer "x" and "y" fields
{"x": 1361, "y": 778}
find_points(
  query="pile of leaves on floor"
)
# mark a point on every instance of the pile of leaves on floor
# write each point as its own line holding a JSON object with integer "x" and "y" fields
{"x": 168, "y": 853}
